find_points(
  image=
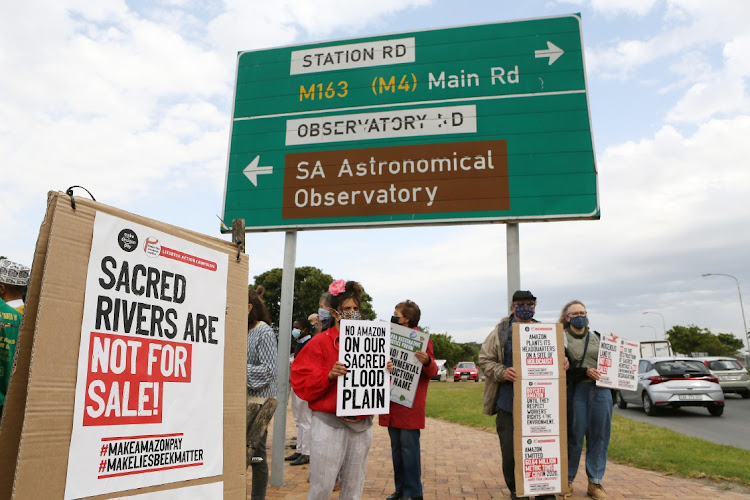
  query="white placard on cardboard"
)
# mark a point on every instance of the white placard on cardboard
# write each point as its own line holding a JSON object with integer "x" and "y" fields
{"x": 541, "y": 465}
{"x": 541, "y": 403}
{"x": 618, "y": 363}
{"x": 538, "y": 351}
{"x": 406, "y": 367}
{"x": 149, "y": 389}
{"x": 365, "y": 388}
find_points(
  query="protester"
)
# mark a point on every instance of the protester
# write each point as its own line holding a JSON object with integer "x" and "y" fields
{"x": 261, "y": 378}
{"x": 325, "y": 319}
{"x": 336, "y": 443}
{"x": 14, "y": 278}
{"x": 589, "y": 406}
{"x": 315, "y": 322}
{"x": 10, "y": 322}
{"x": 300, "y": 410}
{"x": 496, "y": 361}
{"x": 404, "y": 423}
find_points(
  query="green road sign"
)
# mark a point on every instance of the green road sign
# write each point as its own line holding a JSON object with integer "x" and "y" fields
{"x": 480, "y": 123}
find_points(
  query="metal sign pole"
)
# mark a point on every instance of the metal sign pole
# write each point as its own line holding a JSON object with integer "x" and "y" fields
{"x": 282, "y": 361}
{"x": 513, "y": 252}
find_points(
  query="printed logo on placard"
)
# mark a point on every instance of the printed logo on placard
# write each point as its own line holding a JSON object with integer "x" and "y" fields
{"x": 413, "y": 334}
{"x": 152, "y": 247}
{"x": 128, "y": 240}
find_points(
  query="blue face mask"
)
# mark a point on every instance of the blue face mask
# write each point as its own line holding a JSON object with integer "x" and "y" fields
{"x": 295, "y": 333}
{"x": 578, "y": 322}
{"x": 524, "y": 313}
{"x": 323, "y": 315}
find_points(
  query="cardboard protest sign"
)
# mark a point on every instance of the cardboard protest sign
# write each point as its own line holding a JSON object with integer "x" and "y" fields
{"x": 539, "y": 409}
{"x": 130, "y": 376}
{"x": 152, "y": 338}
{"x": 618, "y": 363}
{"x": 363, "y": 348}
{"x": 406, "y": 368}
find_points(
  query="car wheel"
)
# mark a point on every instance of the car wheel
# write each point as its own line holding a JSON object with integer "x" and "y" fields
{"x": 746, "y": 394}
{"x": 715, "y": 410}
{"x": 620, "y": 401}
{"x": 648, "y": 405}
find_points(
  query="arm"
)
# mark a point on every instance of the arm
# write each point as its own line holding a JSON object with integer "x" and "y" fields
{"x": 309, "y": 376}
{"x": 261, "y": 374}
{"x": 429, "y": 367}
{"x": 490, "y": 355}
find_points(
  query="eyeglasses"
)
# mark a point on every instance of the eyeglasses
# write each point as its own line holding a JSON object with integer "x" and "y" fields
{"x": 529, "y": 303}
{"x": 581, "y": 313}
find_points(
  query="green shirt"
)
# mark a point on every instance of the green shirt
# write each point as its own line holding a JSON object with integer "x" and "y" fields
{"x": 10, "y": 321}
{"x": 577, "y": 343}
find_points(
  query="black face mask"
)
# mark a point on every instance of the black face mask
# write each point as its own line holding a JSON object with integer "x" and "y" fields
{"x": 394, "y": 319}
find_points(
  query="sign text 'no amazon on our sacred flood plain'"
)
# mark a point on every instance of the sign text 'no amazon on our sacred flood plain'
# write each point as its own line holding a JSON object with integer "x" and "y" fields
{"x": 467, "y": 124}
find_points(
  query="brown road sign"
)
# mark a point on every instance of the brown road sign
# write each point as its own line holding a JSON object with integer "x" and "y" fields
{"x": 446, "y": 177}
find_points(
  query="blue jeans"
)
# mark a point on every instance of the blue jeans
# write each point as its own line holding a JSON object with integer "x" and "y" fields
{"x": 407, "y": 463}
{"x": 589, "y": 416}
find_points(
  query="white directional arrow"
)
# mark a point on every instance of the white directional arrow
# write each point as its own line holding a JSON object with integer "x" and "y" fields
{"x": 553, "y": 52}
{"x": 252, "y": 171}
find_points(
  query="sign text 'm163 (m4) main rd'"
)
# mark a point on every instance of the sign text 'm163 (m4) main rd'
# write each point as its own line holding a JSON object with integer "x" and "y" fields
{"x": 480, "y": 123}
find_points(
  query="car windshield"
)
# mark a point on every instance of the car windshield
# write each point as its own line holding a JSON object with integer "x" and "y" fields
{"x": 724, "y": 364}
{"x": 679, "y": 367}
{"x": 466, "y": 365}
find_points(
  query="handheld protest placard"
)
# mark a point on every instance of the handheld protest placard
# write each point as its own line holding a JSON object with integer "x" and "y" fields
{"x": 540, "y": 429}
{"x": 130, "y": 374}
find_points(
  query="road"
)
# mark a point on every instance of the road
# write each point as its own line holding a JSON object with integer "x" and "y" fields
{"x": 731, "y": 428}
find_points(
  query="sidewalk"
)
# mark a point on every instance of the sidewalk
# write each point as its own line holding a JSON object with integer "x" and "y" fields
{"x": 460, "y": 462}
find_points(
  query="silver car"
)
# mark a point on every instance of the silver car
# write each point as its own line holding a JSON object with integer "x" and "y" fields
{"x": 674, "y": 382}
{"x": 732, "y": 375}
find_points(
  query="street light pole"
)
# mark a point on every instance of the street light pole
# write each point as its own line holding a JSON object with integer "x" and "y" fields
{"x": 742, "y": 308}
{"x": 649, "y": 326}
{"x": 663, "y": 323}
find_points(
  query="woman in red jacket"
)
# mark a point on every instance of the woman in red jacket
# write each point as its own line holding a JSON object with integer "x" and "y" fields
{"x": 404, "y": 423}
{"x": 335, "y": 443}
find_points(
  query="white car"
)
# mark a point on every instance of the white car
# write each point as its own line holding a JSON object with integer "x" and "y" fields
{"x": 733, "y": 377}
{"x": 442, "y": 372}
{"x": 674, "y": 382}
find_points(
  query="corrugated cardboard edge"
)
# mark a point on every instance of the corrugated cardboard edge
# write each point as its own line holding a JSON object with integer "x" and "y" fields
{"x": 48, "y": 419}
{"x": 15, "y": 404}
{"x": 517, "y": 409}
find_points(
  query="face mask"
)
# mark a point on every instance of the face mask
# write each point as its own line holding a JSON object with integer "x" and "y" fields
{"x": 295, "y": 333}
{"x": 578, "y": 322}
{"x": 324, "y": 314}
{"x": 313, "y": 328}
{"x": 394, "y": 319}
{"x": 524, "y": 313}
{"x": 350, "y": 315}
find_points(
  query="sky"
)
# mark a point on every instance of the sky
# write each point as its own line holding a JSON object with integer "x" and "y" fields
{"x": 133, "y": 100}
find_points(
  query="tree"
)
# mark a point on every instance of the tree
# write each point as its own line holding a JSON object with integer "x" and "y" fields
{"x": 443, "y": 347}
{"x": 309, "y": 284}
{"x": 689, "y": 339}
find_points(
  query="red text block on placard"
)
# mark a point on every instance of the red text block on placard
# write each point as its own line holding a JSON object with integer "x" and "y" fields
{"x": 126, "y": 375}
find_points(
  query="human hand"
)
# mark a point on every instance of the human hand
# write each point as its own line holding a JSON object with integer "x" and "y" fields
{"x": 509, "y": 374}
{"x": 422, "y": 357}
{"x": 592, "y": 374}
{"x": 389, "y": 366}
{"x": 566, "y": 364}
{"x": 337, "y": 370}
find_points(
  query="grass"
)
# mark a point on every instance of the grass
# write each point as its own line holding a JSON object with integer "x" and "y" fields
{"x": 632, "y": 443}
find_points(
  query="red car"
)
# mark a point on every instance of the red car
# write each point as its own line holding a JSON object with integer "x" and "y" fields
{"x": 465, "y": 370}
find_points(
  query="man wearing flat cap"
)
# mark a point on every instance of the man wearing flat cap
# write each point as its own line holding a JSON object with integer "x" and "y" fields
{"x": 14, "y": 278}
{"x": 496, "y": 361}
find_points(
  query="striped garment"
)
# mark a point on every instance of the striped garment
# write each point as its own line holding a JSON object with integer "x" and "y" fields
{"x": 261, "y": 361}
